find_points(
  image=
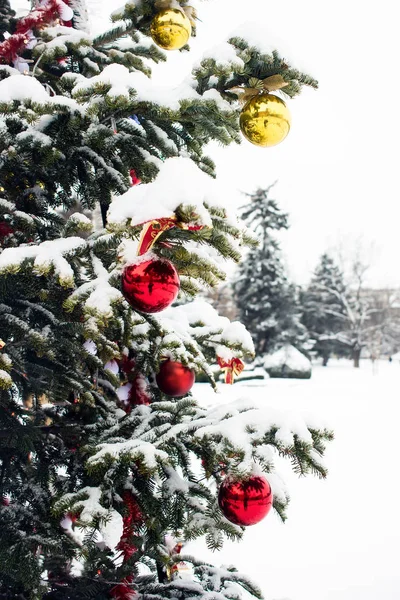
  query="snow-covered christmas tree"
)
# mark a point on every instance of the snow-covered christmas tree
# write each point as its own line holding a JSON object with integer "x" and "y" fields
{"x": 108, "y": 462}
{"x": 268, "y": 303}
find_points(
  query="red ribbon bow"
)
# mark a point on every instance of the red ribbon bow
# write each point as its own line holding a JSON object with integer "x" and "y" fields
{"x": 231, "y": 367}
{"x": 153, "y": 229}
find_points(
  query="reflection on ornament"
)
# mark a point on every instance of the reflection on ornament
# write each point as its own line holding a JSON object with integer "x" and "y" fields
{"x": 112, "y": 366}
{"x": 170, "y": 29}
{"x": 245, "y": 502}
{"x": 181, "y": 570}
{"x": 150, "y": 286}
{"x": 174, "y": 379}
{"x": 265, "y": 120}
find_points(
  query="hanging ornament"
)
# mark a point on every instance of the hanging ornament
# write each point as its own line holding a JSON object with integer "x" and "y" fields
{"x": 171, "y": 29}
{"x": 174, "y": 379}
{"x": 5, "y": 229}
{"x": 134, "y": 178}
{"x": 124, "y": 591}
{"x": 265, "y": 120}
{"x": 245, "y": 502}
{"x": 150, "y": 286}
{"x": 232, "y": 367}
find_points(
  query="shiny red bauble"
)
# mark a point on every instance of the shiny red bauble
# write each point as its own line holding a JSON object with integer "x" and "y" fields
{"x": 174, "y": 379}
{"x": 5, "y": 229}
{"x": 150, "y": 286}
{"x": 245, "y": 502}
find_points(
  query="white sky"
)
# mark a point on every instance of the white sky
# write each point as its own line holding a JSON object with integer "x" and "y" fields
{"x": 337, "y": 169}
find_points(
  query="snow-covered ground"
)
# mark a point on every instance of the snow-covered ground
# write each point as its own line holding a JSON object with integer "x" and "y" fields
{"x": 342, "y": 537}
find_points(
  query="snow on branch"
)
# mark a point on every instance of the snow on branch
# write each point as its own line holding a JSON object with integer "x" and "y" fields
{"x": 91, "y": 512}
{"x": 199, "y": 321}
{"x": 45, "y": 257}
{"x": 134, "y": 450}
{"x": 28, "y": 90}
{"x": 245, "y": 426}
{"x": 98, "y": 296}
{"x": 116, "y": 81}
{"x": 179, "y": 183}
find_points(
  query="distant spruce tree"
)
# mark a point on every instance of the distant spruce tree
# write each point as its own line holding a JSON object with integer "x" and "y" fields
{"x": 324, "y": 313}
{"x": 268, "y": 303}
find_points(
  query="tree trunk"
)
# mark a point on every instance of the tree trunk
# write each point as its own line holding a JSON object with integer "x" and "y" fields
{"x": 325, "y": 358}
{"x": 356, "y": 357}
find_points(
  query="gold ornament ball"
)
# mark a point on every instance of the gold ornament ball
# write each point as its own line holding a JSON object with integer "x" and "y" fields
{"x": 170, "y": 29}
{"x": 265, "y": 120}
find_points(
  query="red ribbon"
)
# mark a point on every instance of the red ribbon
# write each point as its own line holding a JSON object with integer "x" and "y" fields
{"x": 231, "y": 367}
{"x": 153, "y": 229}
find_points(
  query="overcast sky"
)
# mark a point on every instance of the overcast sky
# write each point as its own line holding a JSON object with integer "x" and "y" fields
{"x": 337, "y": 169}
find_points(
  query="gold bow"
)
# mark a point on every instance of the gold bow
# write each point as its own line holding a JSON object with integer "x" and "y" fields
{"x": 258, "y": 86}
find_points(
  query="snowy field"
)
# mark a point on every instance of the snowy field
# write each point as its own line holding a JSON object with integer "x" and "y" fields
{"x": 342, "y": 537}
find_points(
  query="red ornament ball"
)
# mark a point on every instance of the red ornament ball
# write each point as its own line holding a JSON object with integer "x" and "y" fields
{"x": 5, "y": 229}
{"x": 124, "y": 591}
{"x": 174, "y": 379}
{"x": 150, "y": 286}
{"x": 134, "y": 178}
{"x": 245, "y": 502}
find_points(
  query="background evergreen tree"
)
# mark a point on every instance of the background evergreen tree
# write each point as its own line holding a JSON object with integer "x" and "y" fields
{"x": 323, "y": 310}
{"x": 268, "y": 303}
{"x": 100, "y": 468}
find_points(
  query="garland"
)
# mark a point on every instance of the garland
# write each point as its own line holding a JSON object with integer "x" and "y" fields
{"x": 37, "y": 19}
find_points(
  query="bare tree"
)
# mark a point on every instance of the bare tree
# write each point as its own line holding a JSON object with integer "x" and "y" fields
{"x": 366, "y": 319}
